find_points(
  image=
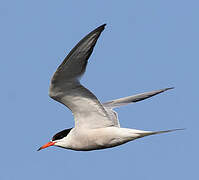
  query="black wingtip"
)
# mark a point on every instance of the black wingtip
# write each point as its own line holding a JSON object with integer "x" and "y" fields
{"x": 103, "y": 25}
{"x": 101, "y": 28}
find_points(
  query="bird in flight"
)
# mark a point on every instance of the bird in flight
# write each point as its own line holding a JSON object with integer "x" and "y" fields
{"x": 96, "y": 124}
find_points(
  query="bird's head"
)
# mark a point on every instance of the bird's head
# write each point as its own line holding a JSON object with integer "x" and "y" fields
{"x": 57, "y": 140}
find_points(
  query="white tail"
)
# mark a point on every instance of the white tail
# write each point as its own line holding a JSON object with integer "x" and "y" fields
{"x": 148, "y": 133}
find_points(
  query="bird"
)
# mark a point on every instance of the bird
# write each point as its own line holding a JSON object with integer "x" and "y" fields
{"x": 96, "y": 124}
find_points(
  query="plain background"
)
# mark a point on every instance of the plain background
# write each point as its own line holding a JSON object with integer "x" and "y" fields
{"x": 147, "y": 45}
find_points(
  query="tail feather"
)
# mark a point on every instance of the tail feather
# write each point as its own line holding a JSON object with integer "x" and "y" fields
{"x": 148, "y": 133}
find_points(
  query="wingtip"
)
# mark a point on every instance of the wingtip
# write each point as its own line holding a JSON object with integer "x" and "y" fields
{"x": 102, "y": 27}
{"x": 166, "y": 89}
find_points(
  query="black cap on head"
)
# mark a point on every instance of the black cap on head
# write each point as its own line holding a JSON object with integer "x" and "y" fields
{"x": 61, "y": 134}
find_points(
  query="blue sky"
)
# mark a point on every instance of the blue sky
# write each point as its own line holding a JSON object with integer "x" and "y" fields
{"x": 146, "y": 45}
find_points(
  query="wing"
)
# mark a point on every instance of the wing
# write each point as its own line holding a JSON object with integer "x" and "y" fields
{"x": 109, "y": 106}
{"x": 113, "y": 116}
{"x": 135, "y": 98}
{"x": 66, "y": 88}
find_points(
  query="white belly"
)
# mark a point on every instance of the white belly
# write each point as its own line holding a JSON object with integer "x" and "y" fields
{"x": 92, "y": 139}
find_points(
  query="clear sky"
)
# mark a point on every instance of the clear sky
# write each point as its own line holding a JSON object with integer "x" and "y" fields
{"x": 147, "y": 45}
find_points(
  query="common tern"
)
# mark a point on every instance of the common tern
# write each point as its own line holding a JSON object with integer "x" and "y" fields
{"x": 96, "y": 124}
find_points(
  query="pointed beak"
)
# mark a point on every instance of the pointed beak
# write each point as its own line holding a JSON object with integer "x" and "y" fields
{"x": 46, "y": 145}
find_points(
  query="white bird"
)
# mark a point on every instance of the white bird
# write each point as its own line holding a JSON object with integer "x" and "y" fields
{"x": 96, "y": 124}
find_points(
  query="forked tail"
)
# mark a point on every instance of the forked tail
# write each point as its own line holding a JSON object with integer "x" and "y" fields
{"x": 148, "y": 133}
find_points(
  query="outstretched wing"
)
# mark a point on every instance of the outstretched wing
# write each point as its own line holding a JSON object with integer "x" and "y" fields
{"x": 135, "y": 98}
{"x": 66, "y": 88}
{"x": 109, "y": 106}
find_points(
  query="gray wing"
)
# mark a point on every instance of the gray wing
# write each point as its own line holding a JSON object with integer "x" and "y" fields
{"x": 135, "y": 98}
{"x": 113, "y": 116}
{"x": 66, "y": 88}
{"x": 109, "y": 106}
